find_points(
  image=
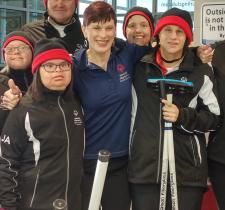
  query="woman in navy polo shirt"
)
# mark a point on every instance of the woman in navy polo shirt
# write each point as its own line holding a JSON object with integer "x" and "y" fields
{"x": 103, "y": 79}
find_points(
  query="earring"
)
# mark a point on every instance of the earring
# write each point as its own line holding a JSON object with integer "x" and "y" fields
{"x": 86, "y": 43}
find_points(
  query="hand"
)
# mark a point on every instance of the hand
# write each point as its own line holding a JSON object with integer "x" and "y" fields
{"x": 170, "y": 111}
{"x": 12, "y": 96}
{"x": 15, "y": 89}
{"x": 205, "y": 53}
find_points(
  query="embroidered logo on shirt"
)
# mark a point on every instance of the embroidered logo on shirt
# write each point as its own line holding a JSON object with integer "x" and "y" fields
{"x": 5, "y": 139}
{"x": 123, "y": 74}
{"x": 120, "y": 68}
{"x": 77, "y": 120}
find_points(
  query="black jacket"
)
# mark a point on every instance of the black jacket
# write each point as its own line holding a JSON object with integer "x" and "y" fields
{"x": 3, "y": 87}
{"x": 216, "y": 146}
{"x": 22, "y": 79}
{"x": 74, "y": 37}
{"x": 41, "y": 151}
{"x": 194, "y": 119}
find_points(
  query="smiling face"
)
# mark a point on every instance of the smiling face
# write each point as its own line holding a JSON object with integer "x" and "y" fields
{"x": 55, "y": 80}
{"x": 138, "y": 30}
{"x": 172, "y": 39}
{"x": 61, "y": 11}
{"x": 18, "y": 55}
{"x": 100, "y": 36}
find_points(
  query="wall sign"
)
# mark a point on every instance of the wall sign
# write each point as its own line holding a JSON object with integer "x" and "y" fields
{"x": 212, "y": 22}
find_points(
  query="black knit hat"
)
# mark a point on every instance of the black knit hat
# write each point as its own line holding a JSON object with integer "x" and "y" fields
{"x": 177, "y": 17}
{"x": 138, "y": 11}
{"x": 18, "y": 35}
{"x": 48, "y": 49}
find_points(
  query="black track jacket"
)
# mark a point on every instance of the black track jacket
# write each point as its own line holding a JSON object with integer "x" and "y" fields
{"x": 199, "y": 112}
{"x": 41, "y": 153}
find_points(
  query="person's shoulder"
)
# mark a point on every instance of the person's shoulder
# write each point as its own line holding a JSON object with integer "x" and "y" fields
{"x": 219, "y": 44}
{"x": 35, "y": 24}
{"x": 79, "y": 54}
{"x": 5, "y": 70}
{"x": 202, "y": 68}
{"x": 192, "y": 61}
{"x": 3, "y": 77}
{"x": 26, "y": 102}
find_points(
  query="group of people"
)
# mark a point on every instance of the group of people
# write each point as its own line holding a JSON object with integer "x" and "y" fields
{"x": 58, "y": 112}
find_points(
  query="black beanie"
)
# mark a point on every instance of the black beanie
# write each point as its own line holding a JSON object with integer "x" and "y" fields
{"x": 48, "y": 49}
{"x": 177, "y": 17}
{"x": 138, "y": 11}
{"x": 18, "y": 35}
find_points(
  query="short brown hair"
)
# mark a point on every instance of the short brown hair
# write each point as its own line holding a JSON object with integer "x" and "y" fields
{"x": 98, "y": 11}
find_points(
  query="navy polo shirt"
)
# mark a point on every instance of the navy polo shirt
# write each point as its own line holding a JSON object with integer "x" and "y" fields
{"x": 106, "y": 100}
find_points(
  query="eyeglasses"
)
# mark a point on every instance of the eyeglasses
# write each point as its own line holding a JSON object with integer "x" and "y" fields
{"x": 11, "y": 50}
{"x": 133, "y": 26}
{"x": 51, "y": 67}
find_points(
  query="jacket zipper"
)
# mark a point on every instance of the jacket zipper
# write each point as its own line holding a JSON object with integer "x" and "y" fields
{"x": 68, "y": 149}
{"x": 160, "y": 131}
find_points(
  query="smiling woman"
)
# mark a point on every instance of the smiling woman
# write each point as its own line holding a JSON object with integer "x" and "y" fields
{"x": 138, "y": 26}
{"x": 103, "y": 75}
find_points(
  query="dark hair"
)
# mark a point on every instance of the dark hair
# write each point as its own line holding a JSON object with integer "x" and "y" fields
{"x": 98, "y": 11}
{"x": 36, "y": 88}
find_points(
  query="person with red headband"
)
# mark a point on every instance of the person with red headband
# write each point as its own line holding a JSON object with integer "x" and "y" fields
{"x": 17, "y": 52}
{"x": 60, "y": 21}
{"x": 138, "y": 26}
{"x": 192, "y": 114}
{"x": 42, "y": 141}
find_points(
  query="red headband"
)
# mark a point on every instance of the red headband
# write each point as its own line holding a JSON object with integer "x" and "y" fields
{"x": 136, "y": 13}
{"x": 49, "y": 55}
{"x": 13, "y": 38}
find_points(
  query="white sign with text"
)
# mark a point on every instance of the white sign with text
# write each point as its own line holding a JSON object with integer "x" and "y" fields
{"x": 212, "y": 22}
